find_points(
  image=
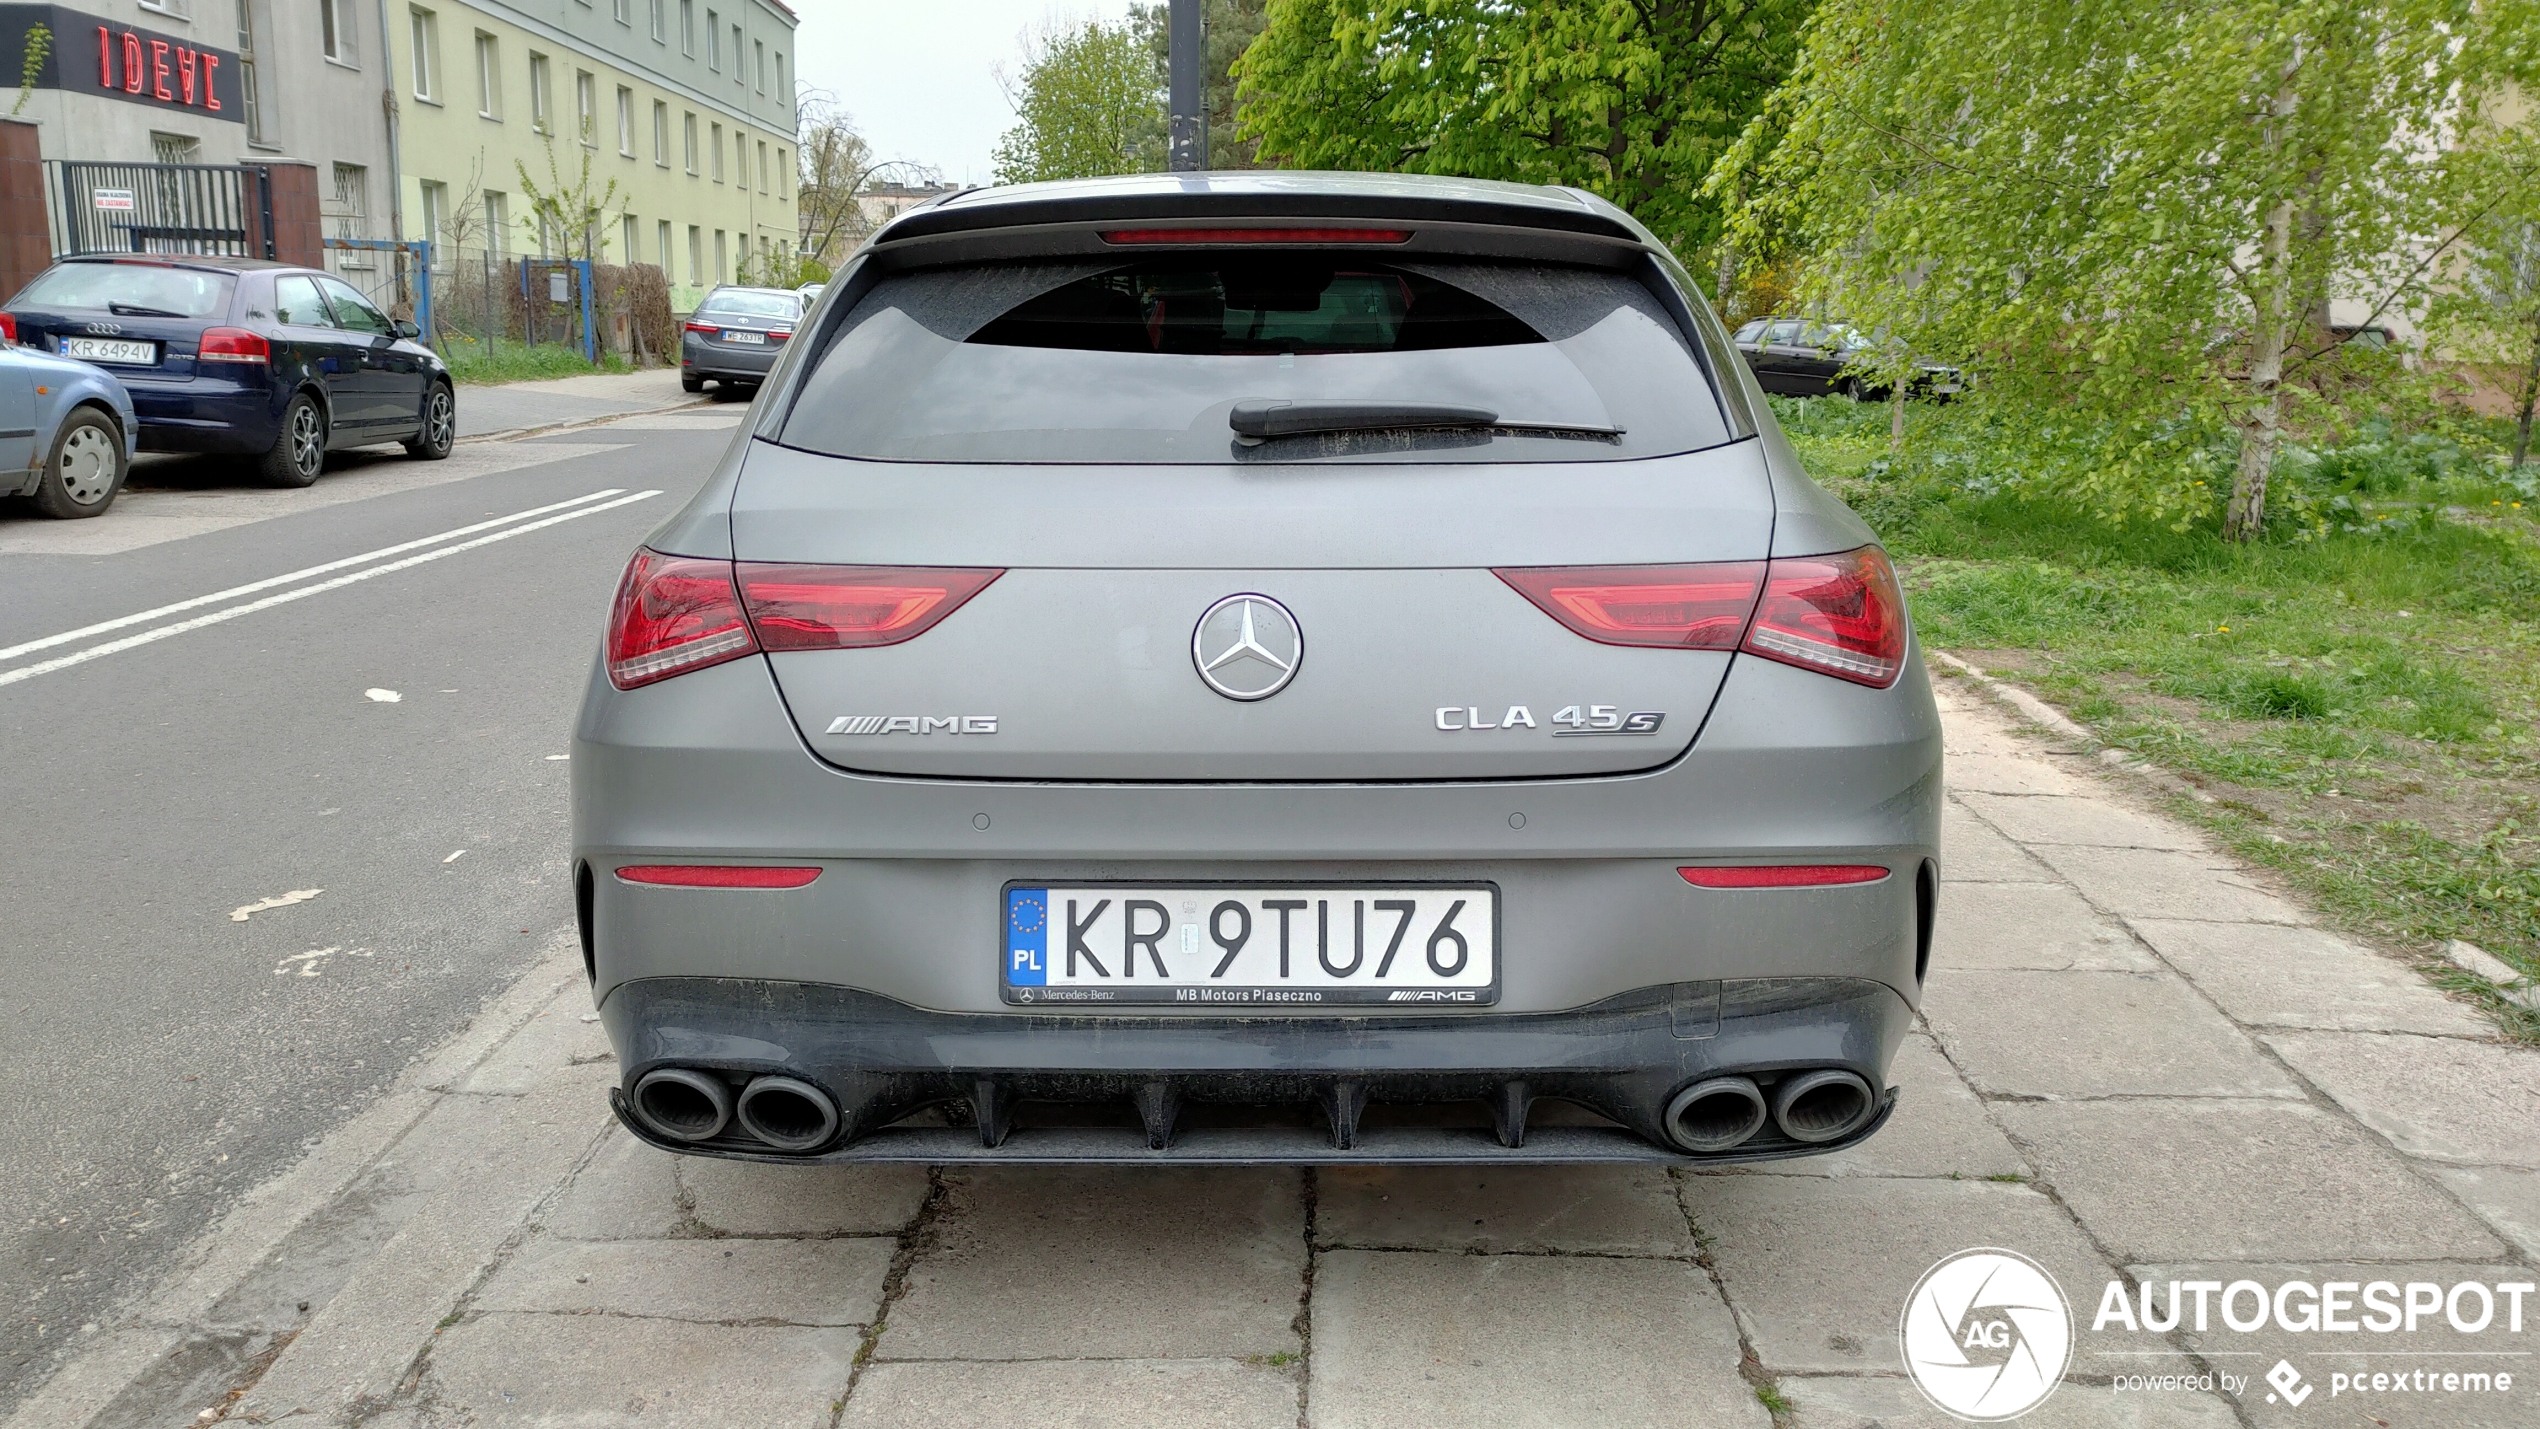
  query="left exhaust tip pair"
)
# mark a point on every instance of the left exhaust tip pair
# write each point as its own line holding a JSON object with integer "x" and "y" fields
{"x": 685, "y": 1104}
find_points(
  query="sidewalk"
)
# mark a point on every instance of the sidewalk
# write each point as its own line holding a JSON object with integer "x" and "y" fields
{"x": 486, "y": 410}
{"x": 2137, "y": 1060}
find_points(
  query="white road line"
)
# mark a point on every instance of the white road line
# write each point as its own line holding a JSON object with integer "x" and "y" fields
{"x": 81, "y": 657}
{"x": 101, "y": 627}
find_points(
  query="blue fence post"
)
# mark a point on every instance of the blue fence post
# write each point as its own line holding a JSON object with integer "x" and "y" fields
{"x": 423, "y": 288}
{"x": 590, "y": 333}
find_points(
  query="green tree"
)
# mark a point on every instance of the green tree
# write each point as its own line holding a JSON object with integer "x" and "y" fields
{"x": 2134, "y": 216}
{"x": 1630, "y": 99}
{"x": 569, "y": 209}
{"x": 1089, "y": 101}
{"x": 2487, "y": 309}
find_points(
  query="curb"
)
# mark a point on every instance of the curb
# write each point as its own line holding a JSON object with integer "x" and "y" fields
{"x": 513, "y": 434}
{"x": 2046, "y": 716}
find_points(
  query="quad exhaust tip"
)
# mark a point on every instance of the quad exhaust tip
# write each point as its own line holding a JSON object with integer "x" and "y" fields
{"x": 1825, "y": 1105}
{"x": 1715, "y": 1115}
{"x": 788, "y": 1113}
{"x": 684, "y": 1105}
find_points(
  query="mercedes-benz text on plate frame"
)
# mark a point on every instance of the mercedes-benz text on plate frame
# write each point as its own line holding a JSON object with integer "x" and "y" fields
{"x": 1247, "y": 647}
{"x": 1221, "y": 945}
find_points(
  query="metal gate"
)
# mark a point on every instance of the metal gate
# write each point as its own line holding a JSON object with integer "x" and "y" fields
{"x": 162, "y": 208}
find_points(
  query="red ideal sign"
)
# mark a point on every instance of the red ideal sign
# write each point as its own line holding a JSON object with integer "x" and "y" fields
{"x": 165, "y": 70}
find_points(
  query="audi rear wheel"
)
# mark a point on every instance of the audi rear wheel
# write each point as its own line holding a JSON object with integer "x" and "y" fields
{"x": 299, "y": 449}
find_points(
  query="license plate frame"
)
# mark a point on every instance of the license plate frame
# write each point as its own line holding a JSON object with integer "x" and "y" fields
{"x": 1433, "y": 898}
{"x": 746, "y": 339}
{"x": 122, "y": 351}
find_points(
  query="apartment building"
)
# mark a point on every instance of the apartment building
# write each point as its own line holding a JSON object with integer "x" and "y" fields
{"x": 675, "y": 117}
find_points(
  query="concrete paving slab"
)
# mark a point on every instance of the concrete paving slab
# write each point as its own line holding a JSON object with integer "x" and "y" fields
{"x": 1819, "y": 1269}
{"x": 2010, "y": 774}
{"x": 1939, "y": 1128}
{"x": 565, "y": 1033}
{"x": 2158, "y": 883}
{"x": 485, "y": 409}
{"x": 2271, "y": 976}
{"x": 2508, "y": 1200}
{"x": 1059, "y": 1262}
{"x": 753, "y": 1198}
{"x": 1829, "y": 1402}
{"x": 2044, "y": 927}
{"x": 1406, "y": 1338}
{"x": 2094, "y": 1034}
{"x": 1612, "y": 1210}
{"x": 2433, "y": 1348}
{"x": 1973, "y": 851}
{"x": 2239, "y": 1180}
{"x": 1073, "y": 1394}
{"x": 603, "y": 1372}
{"x": 626, "y": 1191}
{"x": 2071, "y": 819}
{"x": 792, "y": 1282}
{"x": 2468, "y": 1103}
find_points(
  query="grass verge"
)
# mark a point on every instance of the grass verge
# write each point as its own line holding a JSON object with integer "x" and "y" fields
{"x": 472, "y": 361}
{"x": 2360, "y": 697}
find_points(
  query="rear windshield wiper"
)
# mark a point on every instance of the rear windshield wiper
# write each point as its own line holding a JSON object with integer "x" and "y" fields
{"x": 1258, "y": 421}
{"x": 135, "y": 310}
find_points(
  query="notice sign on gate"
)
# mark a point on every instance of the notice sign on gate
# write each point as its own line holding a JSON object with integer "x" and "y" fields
{"x": 111, "y": 200}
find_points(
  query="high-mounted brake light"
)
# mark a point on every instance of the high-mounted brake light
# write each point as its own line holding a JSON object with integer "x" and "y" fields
{"x": 852, "y": 607}
{"x": 8, "y": 328}
{"x": 1700, "y": 607}
{"x": 674, "y": 614}
{"x": 1255, "y": 235}
{"x": 715, "y": 875}
{"x": 1841, "y": 615}
{"x": 232, "y": 344}
{"x": 1782, "y": 875}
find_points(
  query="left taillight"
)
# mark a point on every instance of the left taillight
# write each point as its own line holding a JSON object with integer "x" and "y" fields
{"x": 233, "y": 344}
{"x": 853, "y": 607}
{"x": 674, "y": 614}
{"x": 8, "y": 328}
{"x": 1841, "y": 615}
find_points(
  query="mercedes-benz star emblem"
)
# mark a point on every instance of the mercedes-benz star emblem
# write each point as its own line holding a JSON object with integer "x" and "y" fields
{"x": 1247, "y": 647}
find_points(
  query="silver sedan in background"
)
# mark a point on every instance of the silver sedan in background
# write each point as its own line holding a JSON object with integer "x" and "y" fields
{"x": 1246, "y": 668}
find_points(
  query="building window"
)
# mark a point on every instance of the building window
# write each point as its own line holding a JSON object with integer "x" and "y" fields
{"x": 688, "y": 141}
{"x": 661, "y": 25}
{"x": 784, "y": 91}
{"x": 687, "y": 43}
{"x": 586, "y": 108}
{"x": 628, "y": 230}
{"x": 489, "y": 77}
{"x": 661, "y": 134}
{"x": 176, "y": 149}
{"x": 720, "y": 267}
{"x": 427, "y": 55}
{"x": 626, "y": 121}
{"x": 762, "y": 166}
{"x": 761, "y": 47}
{"x": 718, "y": 169}
{"x": 251, "y": 96}
{"x": 436, "y": 212}
{"x": 696, "y": 257}
{"x": 542, "y": 96}
{"x": 498, "y": 223}
{"x": 739, "y": 58}
{"x": 740, "y": 159}
{"x": 350, "y": 210}
{"x": 336, "y": 30}
{"x": 623, "y": 12}
{"x": 784, "y": 172}
{"x": 661, "y": 237}
{"x": 714, "y": 41}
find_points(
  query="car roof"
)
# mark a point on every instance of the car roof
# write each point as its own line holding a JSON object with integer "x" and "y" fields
{"x": 1269, "y": 194}
{"x": 213, "y": 262}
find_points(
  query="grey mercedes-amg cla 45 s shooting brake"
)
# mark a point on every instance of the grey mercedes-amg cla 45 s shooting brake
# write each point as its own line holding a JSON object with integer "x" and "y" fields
{"x": 1258, "y": 667}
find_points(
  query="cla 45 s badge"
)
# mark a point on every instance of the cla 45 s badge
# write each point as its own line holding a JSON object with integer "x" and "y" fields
{"x": 913, "y": 724}
{"x": 1567, "y": 720}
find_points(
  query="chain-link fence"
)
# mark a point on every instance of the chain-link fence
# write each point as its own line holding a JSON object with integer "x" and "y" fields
{"x": 483, "y": 300}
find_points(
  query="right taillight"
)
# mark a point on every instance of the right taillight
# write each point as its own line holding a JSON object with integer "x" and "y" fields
{"x": 8, "y": 328}
{"x": 853, "y": 607}
{"x": 1841, "y": 615}
{"x": 674, "y": 614}
{"x": 232, "y": 344}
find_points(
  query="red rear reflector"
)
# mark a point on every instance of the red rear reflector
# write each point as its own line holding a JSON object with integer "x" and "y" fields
{"x": 230, "y": 344}
{"x": 1682, "y": 607}
{"x": 1256, "y": 235}
{"x": 1841, "y": 615}
{"x": 674, "y": 614}
{"x": 716, "y": 875}
{"x": 1782, "y": 875}
{"x": 852, "y": 607}
{"x": 8, "y": 328}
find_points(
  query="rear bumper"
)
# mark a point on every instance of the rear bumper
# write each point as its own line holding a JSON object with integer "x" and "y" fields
{"x": 205, "y": 415}
{"x": 700, "y": 358}
{"x": 1241, "y": 1090}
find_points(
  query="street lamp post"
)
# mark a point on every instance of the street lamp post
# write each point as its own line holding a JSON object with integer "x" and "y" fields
{"x": 1189, "y": 88}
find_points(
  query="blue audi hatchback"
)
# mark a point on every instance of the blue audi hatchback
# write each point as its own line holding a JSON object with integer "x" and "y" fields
{"x": 275, "y": 363}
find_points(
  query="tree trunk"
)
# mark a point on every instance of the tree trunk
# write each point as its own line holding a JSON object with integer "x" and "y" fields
{"x": 2530, "y": 399}
{"x": 1728, "y": 277}
{"x": 2262, "y": 422}
{"x": 1896, "y": 417}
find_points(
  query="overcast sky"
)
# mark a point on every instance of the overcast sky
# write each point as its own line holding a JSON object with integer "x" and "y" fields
{"x": 918, "y": 74}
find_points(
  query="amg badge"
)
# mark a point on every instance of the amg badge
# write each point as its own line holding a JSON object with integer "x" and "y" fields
{"x": 913, "y": 724}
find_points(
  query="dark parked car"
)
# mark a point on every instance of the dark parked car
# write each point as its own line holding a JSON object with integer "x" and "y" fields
{"x": 239, "y": 355}
{"x": 1798, "y": 358}
{"x": 736, "y": 334}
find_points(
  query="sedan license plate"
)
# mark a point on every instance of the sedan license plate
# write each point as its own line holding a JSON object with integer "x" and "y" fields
{"x": 108, "y": 349}
{"x": 752, "y": 339}
{"x": 1233, "y": 946}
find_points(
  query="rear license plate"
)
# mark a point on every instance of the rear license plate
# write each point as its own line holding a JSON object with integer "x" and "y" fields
{"x": 107, "y": 349}
{"x": 753, "y": 339}
{"x": 1233, "y": 946}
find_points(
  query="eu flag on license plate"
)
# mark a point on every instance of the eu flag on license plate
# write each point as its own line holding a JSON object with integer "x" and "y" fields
{"x": 1027, "y": 937}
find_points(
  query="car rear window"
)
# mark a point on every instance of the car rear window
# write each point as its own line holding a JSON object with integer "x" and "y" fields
{"x": 129, "y": 289}
{"x": 1142, "y": 361}
{"x": 749, "y": 305}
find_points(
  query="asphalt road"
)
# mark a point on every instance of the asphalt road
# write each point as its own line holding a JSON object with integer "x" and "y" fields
{"x": 162, "y": 1055}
